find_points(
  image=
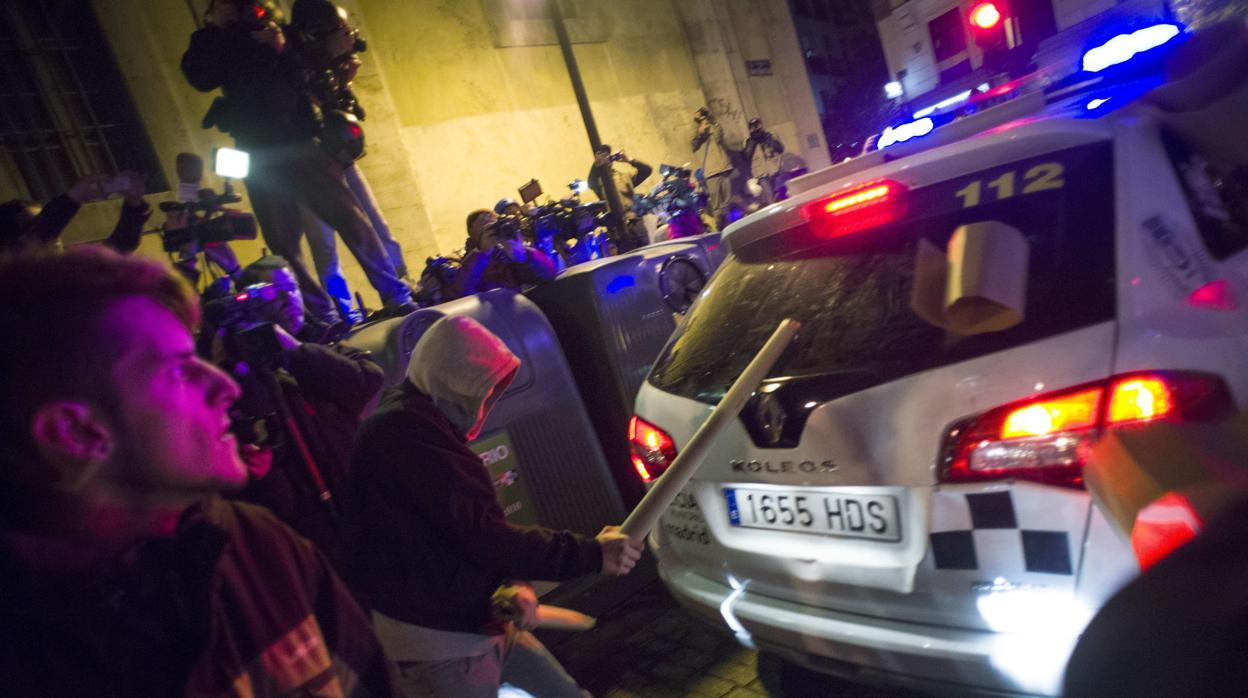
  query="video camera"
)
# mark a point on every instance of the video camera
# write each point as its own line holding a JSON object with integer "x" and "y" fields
{"x": 233, "y": 311}
{"x": 254, "y": 15}
{"x": 207, "y": 219}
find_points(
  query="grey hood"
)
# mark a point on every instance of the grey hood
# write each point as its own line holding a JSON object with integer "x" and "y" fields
{"x": 464, "y": 368}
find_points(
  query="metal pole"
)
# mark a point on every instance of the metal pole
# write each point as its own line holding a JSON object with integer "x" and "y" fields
{"x": 591, "y": 129}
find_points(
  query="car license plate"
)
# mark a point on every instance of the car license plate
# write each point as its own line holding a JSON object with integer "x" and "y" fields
{"x": 827, "y": 513}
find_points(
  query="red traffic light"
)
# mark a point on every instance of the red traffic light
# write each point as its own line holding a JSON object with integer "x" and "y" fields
{"x": 985, "y": 15}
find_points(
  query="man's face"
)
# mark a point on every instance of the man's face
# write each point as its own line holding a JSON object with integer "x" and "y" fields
{"x": 223, "y": 13}
{"x": 169, "y": 420}
{"x": 482, "y": 228}
{"x": 288, "y": 310}
{"x": 602, "y": 158}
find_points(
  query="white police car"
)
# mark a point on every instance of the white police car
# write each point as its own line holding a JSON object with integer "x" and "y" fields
{"x": 902, "y": 500}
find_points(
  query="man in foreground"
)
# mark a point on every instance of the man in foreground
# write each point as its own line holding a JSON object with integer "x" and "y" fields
{"x": 121, "y": 571}
{"x": 426, "y": 541}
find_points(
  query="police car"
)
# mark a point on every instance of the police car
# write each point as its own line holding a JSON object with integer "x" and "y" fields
{"x": 902, "y": 499}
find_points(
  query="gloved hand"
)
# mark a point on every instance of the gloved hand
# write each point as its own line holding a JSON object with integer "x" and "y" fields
{"x": 516, "y": 603}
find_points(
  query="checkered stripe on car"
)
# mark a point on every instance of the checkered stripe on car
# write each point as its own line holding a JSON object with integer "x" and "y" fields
{"x": 994, "y": 533}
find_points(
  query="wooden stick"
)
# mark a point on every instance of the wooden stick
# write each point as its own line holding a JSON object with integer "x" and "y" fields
{"x": 647, "y": 512}
{"x": 559, "y": 618}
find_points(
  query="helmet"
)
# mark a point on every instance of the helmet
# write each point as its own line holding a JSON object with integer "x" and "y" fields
{"x": 502, "y": 205}
{"x": 342, "y": 136}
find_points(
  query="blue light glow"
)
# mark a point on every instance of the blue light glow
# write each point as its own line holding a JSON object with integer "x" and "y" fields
{"x": 1124, "y": 47}
{"x": 904, "y": 132}
{"x": 1096, "y": 103}
{"x": 620, "y": 283}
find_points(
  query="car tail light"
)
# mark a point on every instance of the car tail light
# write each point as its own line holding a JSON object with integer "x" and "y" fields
{"x": 876, "y": 203}
{"x": 652, "y": 449}
{"x": 985, "y": 15}
{"x": 1039, "y": 438}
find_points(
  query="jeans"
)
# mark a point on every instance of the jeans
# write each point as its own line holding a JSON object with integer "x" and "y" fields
{"x": 521, "y": 661}
{"x": 324, "y": 247}
{"x": 284, "y": 177}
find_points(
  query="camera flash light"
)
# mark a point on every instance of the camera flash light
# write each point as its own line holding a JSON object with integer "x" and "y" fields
{"x": 231, "y": 163}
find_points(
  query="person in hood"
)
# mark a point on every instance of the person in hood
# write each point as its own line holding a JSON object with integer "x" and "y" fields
{"x": 122, "y": 572}
{"x": 427, "y": 543}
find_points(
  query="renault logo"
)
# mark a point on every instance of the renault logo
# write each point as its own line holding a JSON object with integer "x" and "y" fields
{"x": 770, "y": 417}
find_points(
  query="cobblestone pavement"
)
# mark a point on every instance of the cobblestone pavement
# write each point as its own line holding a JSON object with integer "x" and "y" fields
{"x": 650, "y": 647}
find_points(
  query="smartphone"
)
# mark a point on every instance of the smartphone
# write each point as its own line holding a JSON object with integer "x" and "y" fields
{"x": 117, "y": 185}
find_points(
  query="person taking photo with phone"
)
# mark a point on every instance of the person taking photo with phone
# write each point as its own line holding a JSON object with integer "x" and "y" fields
{"x": 25, "y": 225}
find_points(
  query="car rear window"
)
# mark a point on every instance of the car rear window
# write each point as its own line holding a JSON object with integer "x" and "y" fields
{"x": 852, "y": 293}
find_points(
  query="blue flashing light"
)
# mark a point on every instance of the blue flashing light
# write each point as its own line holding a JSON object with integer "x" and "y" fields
{"x": 1124, "y": 47}
{"x": 1097, "y": 103}
{"x": 620, "y": 283}
{"x": 904, "y": 132}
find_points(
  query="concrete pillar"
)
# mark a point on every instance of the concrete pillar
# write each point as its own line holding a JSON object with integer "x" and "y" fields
{"x": 723, "y": 36}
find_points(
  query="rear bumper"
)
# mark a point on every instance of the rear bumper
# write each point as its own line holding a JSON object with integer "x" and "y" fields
{"x": 943, "y": 660}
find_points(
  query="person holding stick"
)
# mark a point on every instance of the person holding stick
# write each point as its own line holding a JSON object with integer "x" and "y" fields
{"x": 427, "y": 544}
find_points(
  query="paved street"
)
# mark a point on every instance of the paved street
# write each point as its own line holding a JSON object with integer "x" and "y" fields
{"x": 649, "y": 647}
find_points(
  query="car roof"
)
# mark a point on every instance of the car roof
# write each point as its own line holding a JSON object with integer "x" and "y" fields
{"x": 1017, "y": 129}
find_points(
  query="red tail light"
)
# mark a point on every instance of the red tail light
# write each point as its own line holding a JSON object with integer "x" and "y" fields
{"x": 1039, "y": 438}
{"x": 985, "y": 15}
{"x": 876, "y": 203}
{"x": 652, "y": 449}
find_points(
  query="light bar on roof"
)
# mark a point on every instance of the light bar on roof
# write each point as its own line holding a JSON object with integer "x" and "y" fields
{"x": 956, "y": 99}
{"x": 904, "y": 132}
{"x": 1124, "y": 47}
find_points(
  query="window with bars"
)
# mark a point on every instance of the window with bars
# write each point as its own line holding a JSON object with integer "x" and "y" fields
{"x": 64, "y": 110}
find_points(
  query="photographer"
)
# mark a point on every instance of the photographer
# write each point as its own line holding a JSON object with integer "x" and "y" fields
{"x": 267, "y": 107}
{"x": 765, "y": 143}
{"x": 627, "y": 174}
{"x": 715, "y": 162}
{"x": 498, "y": 258}
{"x": 302, "y": 399}
{"x": 328, "y": 46}
{"x": 24, "y": 225}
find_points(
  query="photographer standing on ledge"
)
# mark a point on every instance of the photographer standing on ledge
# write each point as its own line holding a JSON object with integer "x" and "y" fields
{"x": 498, "y": 258}
{"x": 302, "y": 401}
{"x": 627, "y": 175}
{"x": 714, "y": 162}
{"x": 268, "y": 109}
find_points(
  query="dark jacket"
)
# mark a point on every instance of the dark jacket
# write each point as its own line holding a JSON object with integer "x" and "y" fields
{"x": 266, "y": 102}
{"x": 233, "y": 604}
{"x": 1180, "y": 629}
{"x": 484, "y": 271}
{"x": 327, "y": 389}
{"x": 426, "y": 541}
